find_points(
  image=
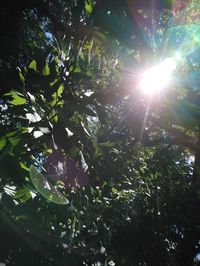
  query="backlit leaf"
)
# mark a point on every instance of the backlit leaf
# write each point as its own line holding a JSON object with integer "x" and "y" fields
{"x": 17, "y": 98}
{"x": 88, "y": 6}
{"x": 33, "y": 65}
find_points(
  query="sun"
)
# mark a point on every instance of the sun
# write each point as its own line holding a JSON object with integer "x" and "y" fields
{"x": 158, "y": 77}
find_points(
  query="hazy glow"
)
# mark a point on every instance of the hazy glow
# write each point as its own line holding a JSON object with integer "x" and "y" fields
{"x": 178, "y": 56}
{"x": 156, "y": 78}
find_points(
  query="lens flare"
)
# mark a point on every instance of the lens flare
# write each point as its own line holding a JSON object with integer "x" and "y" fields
{"x": 157, "y": 78}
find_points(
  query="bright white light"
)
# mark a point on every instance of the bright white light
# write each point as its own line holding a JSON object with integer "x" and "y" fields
{"x": 33, "y": 117}
{"x": 157, "y": 77}
{"x": 178, "y": 56}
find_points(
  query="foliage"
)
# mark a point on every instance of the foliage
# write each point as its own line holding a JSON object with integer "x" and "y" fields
{"x": 125, "y": 170}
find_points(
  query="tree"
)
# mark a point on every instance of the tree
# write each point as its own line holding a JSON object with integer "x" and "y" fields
{"x": 120, "y": 172}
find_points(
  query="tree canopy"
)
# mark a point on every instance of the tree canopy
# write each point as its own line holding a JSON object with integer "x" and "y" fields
{"x": 94, "y": 170}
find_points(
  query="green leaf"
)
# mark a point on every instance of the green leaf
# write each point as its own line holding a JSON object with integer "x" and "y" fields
{"x": 46, "y": 70}
{"x": 2, "y": 143}
{"x": 33, "y": 65}
{"x": 60, "y": 90}
{"x": 114, "y": 190}
{"x": 23, "y": 194}
{"x": 21, "y": 77}
{"x": 23, "y": 166}
{"x": 17, "y": 98}
{"x": 88, "y": 6}
{"x": 56, "y": 96}
{"x": 77, "y": 69}
{"x": 45, "y": 188}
